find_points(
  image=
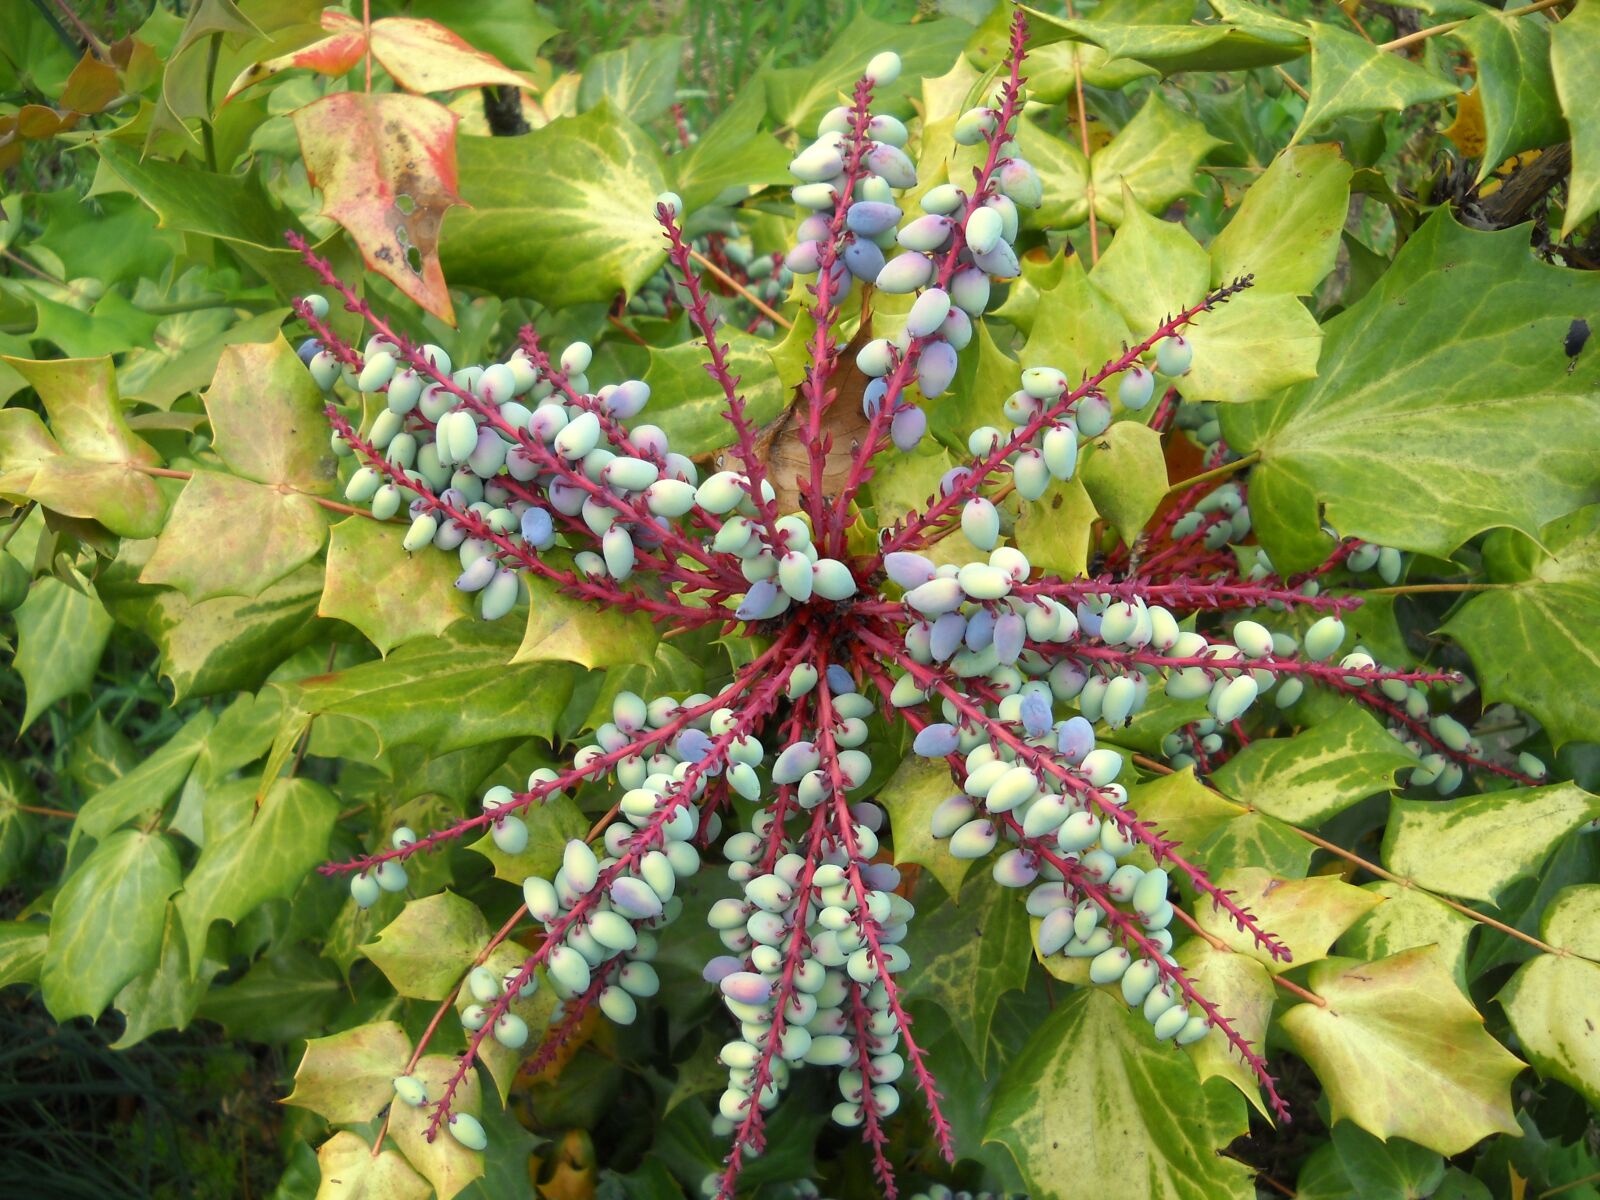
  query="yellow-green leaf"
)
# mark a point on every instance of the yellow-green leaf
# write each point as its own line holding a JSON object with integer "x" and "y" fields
{"x": 1286, "y": 229}
{"x": 350, "y": 1171}
{"x": 1575, "y": 65}
{"x": 389, "y": 595}
{"x": 446, "y": 1163}
{"x": 1402, "y": 1053}
{"x": 61, "y": 633}
{"x": 1554, "y": 1000}
{"x": 1241, "y": 989}
{"x": 1306, "y": 915}
{"x": 1251, "y": 348}
{"x": 562, "y": 628}
{"x": 263, "y": 386}
{"x": 1351, "y": 76}
{"x": 348, "y": 1077}
{"x": 917, "y": 787}
{"x": 426, "y": 949}
{"x": 1125, "y": 475}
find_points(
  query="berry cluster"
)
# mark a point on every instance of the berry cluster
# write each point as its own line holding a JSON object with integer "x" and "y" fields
{"x": 522, "y": 468}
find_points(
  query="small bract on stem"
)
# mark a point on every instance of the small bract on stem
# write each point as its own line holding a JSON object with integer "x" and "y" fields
{"x": 1013, "y": 677}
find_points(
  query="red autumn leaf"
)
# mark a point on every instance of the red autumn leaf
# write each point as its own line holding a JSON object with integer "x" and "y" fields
{"x": 422, "y": 55}
{"x": 386, "y": 165}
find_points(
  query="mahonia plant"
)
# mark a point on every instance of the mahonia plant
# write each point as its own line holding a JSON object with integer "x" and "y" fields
{"x": 523, "y": 467}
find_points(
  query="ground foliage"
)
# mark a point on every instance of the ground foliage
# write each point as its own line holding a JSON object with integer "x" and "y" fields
{"x": 222, "y": 675}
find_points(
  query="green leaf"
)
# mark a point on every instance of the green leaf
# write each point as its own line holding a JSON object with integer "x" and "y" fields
{"x": 61, "y": 633}
{"x": 96, "y": 478}
{"x": 1403, "y": 440}
{"x": 1407, "y": 918}
{"x": 917, "y": 787}
{"x": 1350, "y": 77}
{"x": 229, "y": 537}
{"x": 440, "y": 694}
{"x": 562, "y": 213}
{"x": 226, "y": 644}
{"x": 446, "y": 1163}
{"x": 551, "y": 825}
{"x": 22, "y": 950}
{"x": 1515, "y": 86}
{"x": 167, "y": 995}
{"x": 1125, "y": 475}
{"x": 348, "y": 1077}
{"x": 106, "y": 923}
{"x": 1386, "y": 1170}
{"x": 1097, "y": 1100}
{"x": 1533, "y": 642}
{"x": 290, "y": 995}
{"x": 970, "y": 951}
{"x": 1054, "y": 531}
{"x": 264, "y": 386}
{"x": 1077, "y": 328}
{"x": 1402, "y": 1053}
{"x": 797, "y": 97}
{"x": 426, "y": 949}
{"x": 19, "y": 830}
{"x": 112, "y": 326}
{"x": 1251, "y": 348}
{"x": 1152, "y": 268}
{"x": 638, "y": 80}
{"x": 1306, "y": 915}
{"x": 511, "y": 30}
{"x": 564, "y": 629}
{"x": 1477, "y": 846}
{"x": 1286, "y": 230}
{"x": 144, "y": 791}
{"x": 1154, "y": 156}
{"x": 1575, "y": 64}
{"x": 733, "y": 154}
{"x": 1174, "y": 48}
{"x": 1553, "y": 1001}
{"x": 350, "y": 1171}
{"x": 265, "y": 859}
{"x": 1316, "y": 774}
{"x": 1241, "y": 988}
{"x": 389, "y": 595}
{"x": 690, "y": 406}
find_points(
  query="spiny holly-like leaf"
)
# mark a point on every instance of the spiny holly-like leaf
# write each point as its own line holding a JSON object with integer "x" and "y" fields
{"x": 1126, "y": 475}
{"x": 254, "y": 535}
{"x": 1286, "y": 230}
{"x": 1574, "y": 63}
{"x": 167, "y": 995}
{"x": 1151, "y": 269}
{"x": 1351, "y": 76}
{"x": 106, "y": 922}
{"x": 1515, "y": 88}
{"x": 95, "y": 476}
{"x": 972, "y": 950}
{"x": 692, "y": 408}
{"x": 264, "y": 385}
{"x": 1531, "y": 642}
{"x": 1402, "y": 406}
{"x": 1477, "y": 846}
{"x": 1386, "y": 1170}
{"x": 1306, "y": 915}
{"x": 1154, "y": 156}
{"x": 1173, "y": 48}
{"x": 1077, "y": 327}
{"x": 1402, "y": 1053}
{"x": 733, "y": 153}
{"x": 422, "y": 55}
{"x": 19, "y": 830}
{"x": 1252, "y": 348}
{"x": 22, "y": 950}
{"x": 562, "y": 629}
{"x": 262, "y": 859}
{"x": 1149, "y": 1128}
{"x": 425, "y": 950}
{"x": 561, "y": 213}
{"x": 1409, "y": 917}
{"x": 386, "y": 164}
{"x": 1311, "y": 776}
{"x": 350, "y": 1171}
{"x": 225, "y": 644}
{"x": 448, "y": 1165}
{"x": 917, "y": 787}
{"x": 1242, "y": 988}
{"x": 1554, "y": 1000}
{"x": 390, "y": 596}
{"x": 145, "y": 789}
{"x": 61, "y": 632}
{"x": 348, "y": 1077}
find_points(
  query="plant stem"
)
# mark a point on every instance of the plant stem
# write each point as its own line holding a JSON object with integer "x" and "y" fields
{"x": 772, "y": 314}
{"x": 1083, "y": 139}
{"x": 1412, "y": 589}
{"x": 1423, "y": 35}
{"x": 213, "y": 51}
{"x": 1222, "y": 472}
{"x": 17, "y": 520}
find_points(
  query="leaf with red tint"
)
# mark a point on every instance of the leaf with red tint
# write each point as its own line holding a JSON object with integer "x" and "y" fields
{"x": 386, "y": 165}
{"x": 423, "y": 56}
{"x": 91, "y": 86}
